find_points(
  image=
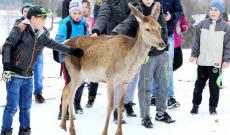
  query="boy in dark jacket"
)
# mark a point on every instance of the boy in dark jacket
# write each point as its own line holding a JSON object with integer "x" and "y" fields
{"x": 155, "y": 68}
{"x": 38, "y": 66}
{"x": 19, "y": 54}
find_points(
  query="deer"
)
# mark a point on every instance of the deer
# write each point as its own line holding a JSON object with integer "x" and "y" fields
{"x": 110, "y": 59}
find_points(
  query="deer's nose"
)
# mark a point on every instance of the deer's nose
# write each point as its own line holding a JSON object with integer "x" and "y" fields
{"x": 162, "y": 44}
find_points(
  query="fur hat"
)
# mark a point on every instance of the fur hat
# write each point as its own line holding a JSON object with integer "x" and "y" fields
{"x": 75, "y": 5}
{"x": 218, "y": 4}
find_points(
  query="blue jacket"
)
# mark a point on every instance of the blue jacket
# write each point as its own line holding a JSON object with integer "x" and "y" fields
{"x": 77, "y": 29}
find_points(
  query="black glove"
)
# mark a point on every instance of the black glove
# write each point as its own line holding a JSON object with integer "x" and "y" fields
{"x": 78, "y": 52}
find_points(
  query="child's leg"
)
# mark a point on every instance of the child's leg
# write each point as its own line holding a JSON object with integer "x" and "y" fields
{"x": 214, "y": 83}
{"x": 202, "y": 77}
{"x": 93, "y": 89}
{"x": 25, "y": 103}
{"x": 12, "y": 102}
{"x": 78, "y": 94}
{"x": 38, "y": 74}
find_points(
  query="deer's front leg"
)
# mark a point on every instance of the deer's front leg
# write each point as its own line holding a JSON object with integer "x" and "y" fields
{"x": 122, "y": 89}
{"x": 110, "y": 94}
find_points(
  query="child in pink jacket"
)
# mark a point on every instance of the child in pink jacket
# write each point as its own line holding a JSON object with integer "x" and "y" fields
{"x": 181, "y": 26}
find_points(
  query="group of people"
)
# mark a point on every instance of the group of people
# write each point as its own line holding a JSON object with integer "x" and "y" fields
{"x": 23, "y": 58}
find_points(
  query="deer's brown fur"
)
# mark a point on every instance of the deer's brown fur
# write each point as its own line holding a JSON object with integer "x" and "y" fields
{"x": 110, "y": 59}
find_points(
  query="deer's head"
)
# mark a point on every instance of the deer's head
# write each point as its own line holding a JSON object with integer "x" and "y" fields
{"x": 149, "y": 27}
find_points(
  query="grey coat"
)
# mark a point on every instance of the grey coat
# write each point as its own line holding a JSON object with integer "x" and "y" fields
{"x": 212, "y": 43}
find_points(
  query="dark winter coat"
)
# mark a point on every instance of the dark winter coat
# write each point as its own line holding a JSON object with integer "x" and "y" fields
{"x": 96, "y": 11}
{"x": 18, "y": 21}
{"x": 111, "y": 13}
{"x": 175, "y": 8}
{"x": 65, "y": 8}
{"x": 22, "y": 46}
{"x": 130, "y": 25}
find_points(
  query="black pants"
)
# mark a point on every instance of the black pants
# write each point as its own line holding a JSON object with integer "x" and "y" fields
{"x": 178, "y": 58}
{"x": 204, "y": 73}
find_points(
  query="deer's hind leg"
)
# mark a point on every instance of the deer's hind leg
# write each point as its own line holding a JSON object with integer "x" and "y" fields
{"x": 66, "y": 92}
{"x": 110, "y": 93}
{"x": 75, "y": 83}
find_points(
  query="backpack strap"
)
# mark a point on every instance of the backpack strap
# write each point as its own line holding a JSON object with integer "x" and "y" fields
{"x": 69, "y": 29}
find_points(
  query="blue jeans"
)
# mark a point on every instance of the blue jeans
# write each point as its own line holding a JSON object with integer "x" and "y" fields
{"x": 19, "y": 93}
{"x": 38, "y": 74}
{"x": 171, "y": 56}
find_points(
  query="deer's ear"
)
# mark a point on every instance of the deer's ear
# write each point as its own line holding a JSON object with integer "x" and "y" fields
{"x": 136, "y": 12}
{"x": 156, "y": 10}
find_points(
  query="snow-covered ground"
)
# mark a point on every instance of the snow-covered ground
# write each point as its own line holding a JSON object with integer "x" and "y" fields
{"x": 44, "y": 116}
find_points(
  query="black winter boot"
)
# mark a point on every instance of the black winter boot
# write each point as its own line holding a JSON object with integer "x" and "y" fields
{"x": 129, "y": 110}
{"x": 115, "y": 117}
{"x": 212, "y": 110}
{"x": 153, "y": 101}
{"x": 6, "y": 133}
{"x": 194, "y": 109}
{"x": 90, "y": 102}
{"x": 24, "y": 132}
{"x": 77, "y": 108}
{"x": 39, "y": 98}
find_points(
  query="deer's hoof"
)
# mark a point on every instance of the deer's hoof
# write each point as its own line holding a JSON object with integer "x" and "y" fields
{"x": 72, "y": 131}
{"x": 63, "y": 126}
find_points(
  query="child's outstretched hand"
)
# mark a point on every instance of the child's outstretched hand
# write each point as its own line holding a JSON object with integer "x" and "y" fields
{"x": 192, "y": 59}
{"x": 225, "y": 65}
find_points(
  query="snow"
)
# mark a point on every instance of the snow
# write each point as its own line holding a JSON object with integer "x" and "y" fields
{"x": 91, "y": 122}
{"x": 44, "y": 116}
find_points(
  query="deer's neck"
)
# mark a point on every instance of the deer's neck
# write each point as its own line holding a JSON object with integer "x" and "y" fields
{"x": 139, "y": 51}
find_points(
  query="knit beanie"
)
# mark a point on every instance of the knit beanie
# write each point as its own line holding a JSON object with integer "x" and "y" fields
{"x": 75, "y": 5}
{"x": 218, "y": 4}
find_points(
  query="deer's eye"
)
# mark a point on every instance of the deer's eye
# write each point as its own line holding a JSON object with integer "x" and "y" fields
{"x": 147, "y": 29}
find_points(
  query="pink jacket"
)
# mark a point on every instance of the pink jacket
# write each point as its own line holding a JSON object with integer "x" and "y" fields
{"x": 90, "y": 23}
{"x": 181, "y": 26}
